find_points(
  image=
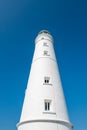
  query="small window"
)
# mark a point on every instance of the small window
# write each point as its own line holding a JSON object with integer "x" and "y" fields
{"x": 46, "y": 80}
{"x": 47, "y": 104}
{"x": 45, "y": 44}
{"x": 42, "y": 38}
{"x": 45, "y": 52}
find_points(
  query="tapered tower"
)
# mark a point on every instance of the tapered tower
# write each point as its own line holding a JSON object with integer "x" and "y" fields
{"x": 44, "y": 105}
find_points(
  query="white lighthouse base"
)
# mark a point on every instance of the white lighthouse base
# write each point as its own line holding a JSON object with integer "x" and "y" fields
{"x": 42, "y": 126}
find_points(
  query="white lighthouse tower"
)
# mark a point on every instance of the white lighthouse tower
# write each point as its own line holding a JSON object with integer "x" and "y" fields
{"x": 44, "y": 105}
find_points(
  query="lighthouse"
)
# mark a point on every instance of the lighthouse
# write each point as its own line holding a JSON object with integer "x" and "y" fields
{"x": 44, "y": 106}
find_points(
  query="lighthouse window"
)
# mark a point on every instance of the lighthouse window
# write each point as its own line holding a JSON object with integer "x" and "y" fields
{"x": 45, "y": 52}
{"x": 45, "y": 44}
{"x": 46, "y": 80}
{"x": 47, "y": 105}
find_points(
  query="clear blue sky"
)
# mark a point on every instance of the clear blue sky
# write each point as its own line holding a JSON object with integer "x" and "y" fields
{"x": 20, "y": 21}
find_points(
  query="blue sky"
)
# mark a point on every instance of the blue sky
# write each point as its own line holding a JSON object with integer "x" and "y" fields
{"x": 20, "y": 22}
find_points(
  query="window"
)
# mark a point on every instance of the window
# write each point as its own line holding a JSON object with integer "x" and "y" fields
{"x": 45, "y": 52}
{"x": 46, "y": 80}
{"x": 47, "y": 104}
{"x": 42, "y": 38}
{"x": 45, "y": 44}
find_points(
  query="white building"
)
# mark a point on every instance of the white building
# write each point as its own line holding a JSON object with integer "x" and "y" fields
{"x": 44, "y": 105}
